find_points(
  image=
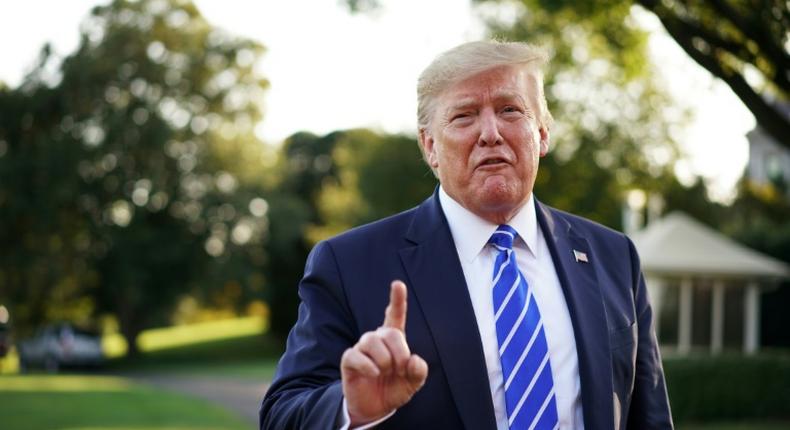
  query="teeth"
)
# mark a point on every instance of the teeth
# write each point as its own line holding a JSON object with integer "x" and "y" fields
{"x": 493, "y": 161}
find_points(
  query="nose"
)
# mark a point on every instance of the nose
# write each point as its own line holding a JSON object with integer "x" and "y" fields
{"x": 489, "y": 129}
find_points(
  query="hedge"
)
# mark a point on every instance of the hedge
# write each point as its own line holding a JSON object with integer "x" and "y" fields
{"x": 705, "y": 389}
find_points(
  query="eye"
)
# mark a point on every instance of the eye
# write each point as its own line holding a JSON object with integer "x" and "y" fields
{"x": 461, "y": 117}
{"x": 511, "y": 109}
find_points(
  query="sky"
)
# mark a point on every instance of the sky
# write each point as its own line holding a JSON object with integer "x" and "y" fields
{"x": 314, "y": 52}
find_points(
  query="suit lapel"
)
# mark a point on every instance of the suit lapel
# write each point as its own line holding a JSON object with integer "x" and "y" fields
{"x": 588, "y": 316}
{"x": 438, "y": 283}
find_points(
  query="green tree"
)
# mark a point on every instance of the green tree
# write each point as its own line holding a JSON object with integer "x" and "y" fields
{"x": 327, "y": 185}
{"x": 43, "y": 266}
{"x": 138, "y": 166}
{"x": 758, "y": 218}
{"x": 376, "y": 175}
{"x": 304, "y": 163}
{"x": 745, "y": 43}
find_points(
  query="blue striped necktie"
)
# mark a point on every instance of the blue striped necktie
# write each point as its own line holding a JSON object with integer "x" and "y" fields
{"x": 523, "y": 351}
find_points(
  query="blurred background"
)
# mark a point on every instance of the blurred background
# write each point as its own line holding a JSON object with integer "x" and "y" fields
{"x": 166, "y": 166}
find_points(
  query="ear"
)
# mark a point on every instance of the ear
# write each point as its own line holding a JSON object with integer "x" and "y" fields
{"x": 427, "y": 144}
{"x": 544, "y": 140}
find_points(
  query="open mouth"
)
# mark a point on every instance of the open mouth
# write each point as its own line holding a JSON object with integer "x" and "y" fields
{"x": 492, "y": 162}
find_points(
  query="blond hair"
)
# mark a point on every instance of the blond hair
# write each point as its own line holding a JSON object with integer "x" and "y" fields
{"x": 471, "y": 58}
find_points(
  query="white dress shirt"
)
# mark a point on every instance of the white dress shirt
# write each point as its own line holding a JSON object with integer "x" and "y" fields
{"x": 471, "y": 234}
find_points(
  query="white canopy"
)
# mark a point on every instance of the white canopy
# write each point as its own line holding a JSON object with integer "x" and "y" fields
{"x": 680, "y": 245}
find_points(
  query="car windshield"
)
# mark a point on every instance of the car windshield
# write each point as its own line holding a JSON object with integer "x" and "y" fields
{"x": 77, "y": 331}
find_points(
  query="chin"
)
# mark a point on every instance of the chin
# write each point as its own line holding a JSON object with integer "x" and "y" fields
{"x": 502, "y": 200}
{"x": 500, "y": 192}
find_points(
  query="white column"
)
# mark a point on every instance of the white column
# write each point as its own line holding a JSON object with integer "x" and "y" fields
{"x": 656, "y": 289}
{"x": 684, "y": 315}
{"x": 751, "y": 319}
{"x": 717, "y": 318}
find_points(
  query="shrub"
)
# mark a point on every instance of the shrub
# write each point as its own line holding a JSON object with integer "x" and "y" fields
{"x": 729, "y": 387}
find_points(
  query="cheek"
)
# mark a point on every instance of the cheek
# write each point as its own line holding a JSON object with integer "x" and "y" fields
{"x": 529, "y": 142}
{"x": 454, "y": 152}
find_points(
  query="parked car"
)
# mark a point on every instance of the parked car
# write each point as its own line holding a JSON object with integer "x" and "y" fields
{"x": 5, "y": 335}
{"x": 61, "y": 345}
{"x": 5, "y": 340}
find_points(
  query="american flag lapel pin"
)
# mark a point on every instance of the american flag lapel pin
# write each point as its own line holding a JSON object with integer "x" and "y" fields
{"x": 580, "y": 256}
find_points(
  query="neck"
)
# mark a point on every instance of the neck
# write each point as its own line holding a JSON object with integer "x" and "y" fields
{"x": 498, "y": 217}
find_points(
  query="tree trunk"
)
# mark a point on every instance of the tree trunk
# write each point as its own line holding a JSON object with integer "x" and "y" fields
{"x": 130, "y": 334}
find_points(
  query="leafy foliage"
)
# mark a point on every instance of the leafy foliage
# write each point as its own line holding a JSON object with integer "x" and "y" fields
{"x": 137, "y": 169}
{"x": 745, "y": 43}
{"x": 376, "y": 176}
{"x": 328, "y": 185}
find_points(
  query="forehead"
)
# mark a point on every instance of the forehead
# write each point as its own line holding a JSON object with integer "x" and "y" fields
{"x": 498, "y": 82}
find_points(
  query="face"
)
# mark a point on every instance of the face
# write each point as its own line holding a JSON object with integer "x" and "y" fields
{"x": 484, "y": 141}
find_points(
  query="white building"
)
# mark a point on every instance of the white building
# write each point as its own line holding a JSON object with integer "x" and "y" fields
{"x": 769, "y": 161}
{"x": 705, "y": 288}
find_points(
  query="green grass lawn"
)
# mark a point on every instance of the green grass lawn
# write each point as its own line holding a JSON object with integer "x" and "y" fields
{"x": 39, "y": 402}
{"x": 737, "y": 426}
{"x": 229, "y": 348}
{"x": 247, "y": 356}
{"x": 34, "y": 402}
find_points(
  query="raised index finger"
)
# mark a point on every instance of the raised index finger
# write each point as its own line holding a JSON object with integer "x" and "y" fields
{"x": 395, "y": 315}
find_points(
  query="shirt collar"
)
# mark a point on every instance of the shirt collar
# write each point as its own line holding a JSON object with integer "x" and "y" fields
{"x": 471, "y": 232}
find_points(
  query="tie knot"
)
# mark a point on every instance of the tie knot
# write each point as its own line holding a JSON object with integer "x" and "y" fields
{"x": 503, "y": 237}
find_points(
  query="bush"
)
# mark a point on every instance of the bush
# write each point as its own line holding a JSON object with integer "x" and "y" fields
{"x": 703, "y": 389}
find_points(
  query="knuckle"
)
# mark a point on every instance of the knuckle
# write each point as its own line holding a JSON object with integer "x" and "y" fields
{"x": 392, "y": 335}
{"x": 367, "y": 338}
{"x": 350, "y": 354}
{"x": 371, "y": 343}
{"x": 348, "y": 359}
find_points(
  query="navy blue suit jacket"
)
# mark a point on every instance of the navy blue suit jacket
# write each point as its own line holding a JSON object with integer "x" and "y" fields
{"x": 346, "y": 288}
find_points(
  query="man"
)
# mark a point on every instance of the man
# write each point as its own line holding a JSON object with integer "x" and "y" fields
{"x": 504, "y": 313}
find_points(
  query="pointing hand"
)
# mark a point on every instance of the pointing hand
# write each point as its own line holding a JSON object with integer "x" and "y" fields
{"x": 379, "y": 373}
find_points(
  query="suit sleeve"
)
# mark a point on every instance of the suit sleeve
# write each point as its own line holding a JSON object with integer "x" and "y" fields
{"x": 306, "y": 392}
{"x": 649, "y": 407}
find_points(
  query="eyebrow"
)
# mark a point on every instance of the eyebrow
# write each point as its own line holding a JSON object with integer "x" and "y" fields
{"x": 463, "y": 104}
{"x": 510, "y": 95}
{"x": 469, "y": 102}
